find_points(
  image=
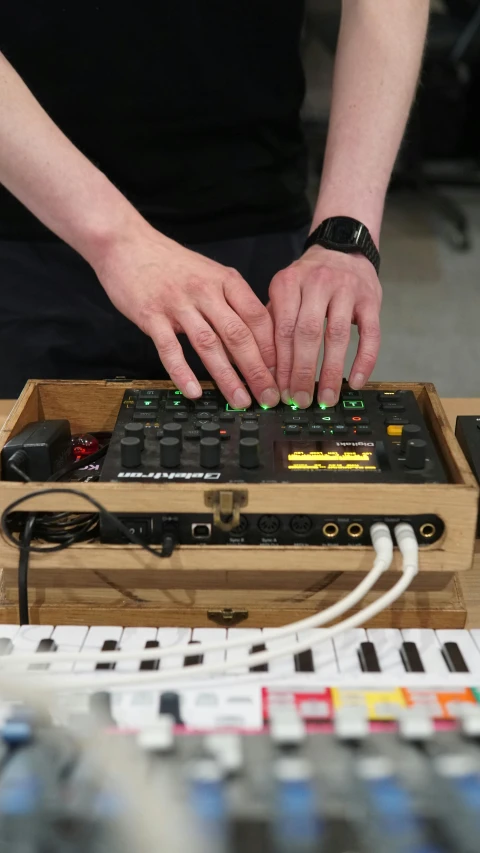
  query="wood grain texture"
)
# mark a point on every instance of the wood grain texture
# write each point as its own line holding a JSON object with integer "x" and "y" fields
{"x": 469, "y": 582}
{"x": 94, "y": 405}
{"x": 114, "y": 597}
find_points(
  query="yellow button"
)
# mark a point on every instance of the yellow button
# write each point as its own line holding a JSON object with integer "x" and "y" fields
{"x": 395, "y": 429}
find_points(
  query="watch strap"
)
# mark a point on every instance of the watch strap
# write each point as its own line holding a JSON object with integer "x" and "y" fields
{"x": 361, "y": 241}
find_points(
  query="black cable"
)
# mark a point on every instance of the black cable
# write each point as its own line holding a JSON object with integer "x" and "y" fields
{"x": 23, "y": 570}
{"x": 64, "y": 528}
{"x": 18, "y": 471}
{"x": 52, "y": 527}
{"x": 122, "y": 528}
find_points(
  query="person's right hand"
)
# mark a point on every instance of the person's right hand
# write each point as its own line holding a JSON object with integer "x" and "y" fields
{"x": 166, "y": 289}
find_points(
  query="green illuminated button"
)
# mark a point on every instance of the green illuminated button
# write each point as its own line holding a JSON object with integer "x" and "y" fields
{"x": 147, "y": 405}
{"x": 326, "y": 419}
{"x": 353, "y": 404}
{"x": 174, "y": 395}
{"x": 175, "y": 406}
{"x": 231, "y": 409}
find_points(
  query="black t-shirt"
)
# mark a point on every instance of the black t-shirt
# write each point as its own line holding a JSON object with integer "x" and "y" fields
{"x": 190, "y": 107}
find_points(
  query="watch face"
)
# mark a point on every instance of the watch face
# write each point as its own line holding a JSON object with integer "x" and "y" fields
{"x": 342, "y": 230}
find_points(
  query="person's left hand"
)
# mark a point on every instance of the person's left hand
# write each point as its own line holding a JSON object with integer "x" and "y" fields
{"x": 322, "y": 284}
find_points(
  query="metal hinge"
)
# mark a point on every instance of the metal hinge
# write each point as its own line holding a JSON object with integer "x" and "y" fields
{"x": 226, "y": 507}
{"x": 227, "y": 617}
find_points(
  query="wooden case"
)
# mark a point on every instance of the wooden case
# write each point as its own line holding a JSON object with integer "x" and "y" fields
{"x": 97, "y": 580}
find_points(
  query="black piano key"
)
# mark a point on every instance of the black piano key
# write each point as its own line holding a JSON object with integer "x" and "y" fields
{"x": 108, "y": 646}
{"x": 454, "y": 658}
{"x": 411, "y": 658}
{"x": 193, "y": 660}
{"x": 368, "y": 658}
{"x": 170, "y": 705}
{"x": 150, "y": 664}
{"x": 6, "y": 646}
{"x": 304, "y": 661}
{"x": 261, "y": 667}
{"x": 45, "y": 645}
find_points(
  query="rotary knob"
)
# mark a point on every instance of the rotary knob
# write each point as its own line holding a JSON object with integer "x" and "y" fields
{"x": 209, "y": 452}
{"x": 210, "y": 430}
{"x": 131, "y": 452}
{"x": 249, "y": 452}
{"x": 173, "y": 430}
{"x": 409, "y": 431}
{"x": 249, "y": 429}
{"x": 135, "y": 430}
{"x": 416, "y": 453}
{"x": 169, "y": 452}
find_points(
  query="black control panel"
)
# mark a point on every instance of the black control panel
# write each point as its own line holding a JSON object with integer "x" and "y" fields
{"x": 160, "y": 436}
{"x": 467, "y": 431}
{"x": 369, "y": 437}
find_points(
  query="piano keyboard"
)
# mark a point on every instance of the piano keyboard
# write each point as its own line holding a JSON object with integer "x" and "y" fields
{"x": 377, "y": 652}
{"x": 379, "y": 670}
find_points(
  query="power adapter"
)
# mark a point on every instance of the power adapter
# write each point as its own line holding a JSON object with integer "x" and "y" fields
{"x": 39, "y": 451}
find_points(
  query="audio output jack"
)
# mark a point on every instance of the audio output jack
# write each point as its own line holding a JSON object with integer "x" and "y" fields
{"x": 428, "y": 530}
{"x": 355, "y": 530}
{"x": 331, "y": 530}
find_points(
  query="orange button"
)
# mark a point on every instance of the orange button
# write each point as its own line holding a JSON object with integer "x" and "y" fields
{"x": 395, "y": 429}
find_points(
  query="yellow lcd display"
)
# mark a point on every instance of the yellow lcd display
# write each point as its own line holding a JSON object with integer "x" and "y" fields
{"x": 332, "y": 456}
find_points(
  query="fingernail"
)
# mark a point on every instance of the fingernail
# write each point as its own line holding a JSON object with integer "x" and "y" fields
{"x": 286, "y": 397}
{"x": 357, "y": 381}
{"x": 327, "y": 396}
{"x": 241, "y": 399}
{"x": 270, "y": 397}
{"x": 302, "y": 399}
{"x": 193, "y": 389}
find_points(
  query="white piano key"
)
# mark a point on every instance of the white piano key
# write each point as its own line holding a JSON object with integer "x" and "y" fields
{"x": 252, "y": 636}
{"x": 210, "y": 635}
{"x": 428, "y": 649}
{"x": 324, "y": 657}
{"x": 9, "y": 631}
{"x": 131, "y": 640}
{"x": 173, "y": 637}
{"x": 29, "y": 636}
{"x": 284, "y": 665}
{"x": 68, "y": 638}
{"x": 469, "y": 649}
{"x": 27, "y": 639}
{"x": 387, "y": 642}
{"x": 346, "y": 650}
{"x": 97, "y": 635}
{"x": 475, "y": 635}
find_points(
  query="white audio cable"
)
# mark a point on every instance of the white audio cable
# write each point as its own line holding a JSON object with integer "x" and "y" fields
{"x": 409, "y": 548}
{"x": 383, "y": 546}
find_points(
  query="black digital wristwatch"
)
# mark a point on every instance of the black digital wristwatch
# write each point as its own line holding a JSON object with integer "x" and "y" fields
{"x": 344, "y": 234}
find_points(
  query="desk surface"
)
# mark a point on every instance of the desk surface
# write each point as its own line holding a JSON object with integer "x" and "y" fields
{"x": 470, "y": 581}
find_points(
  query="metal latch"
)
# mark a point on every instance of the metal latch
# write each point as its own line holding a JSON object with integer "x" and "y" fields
{"x": 226, "y": 507}
{"x": 227, "y": 616}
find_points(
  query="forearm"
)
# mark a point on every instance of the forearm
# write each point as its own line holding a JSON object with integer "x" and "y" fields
{"x": 376, "y": 70}
{"x": 52, "y": 178}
